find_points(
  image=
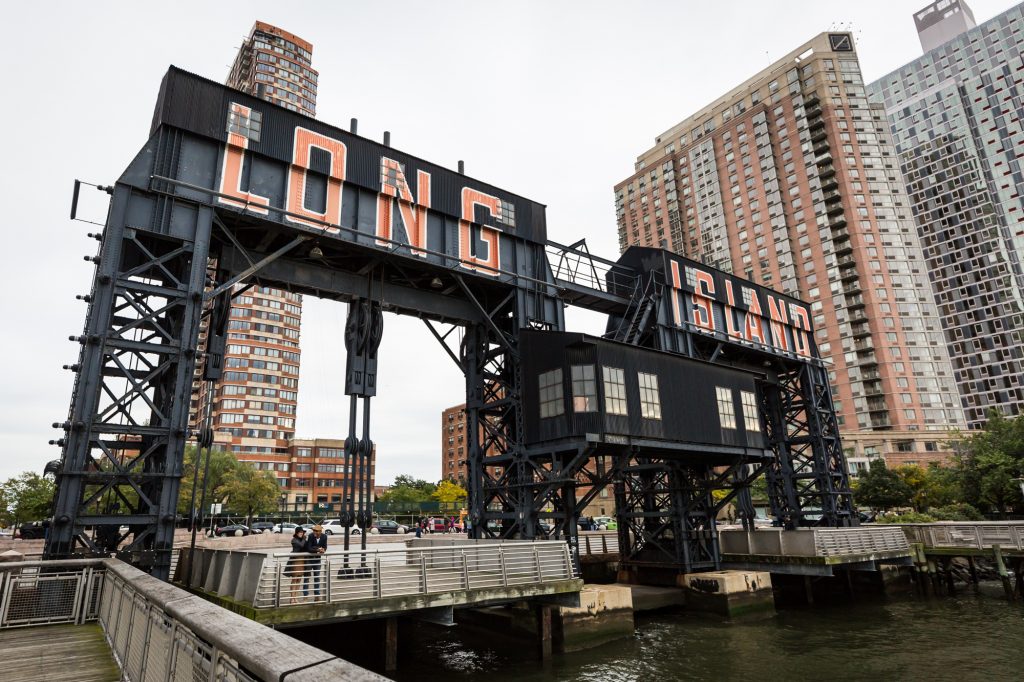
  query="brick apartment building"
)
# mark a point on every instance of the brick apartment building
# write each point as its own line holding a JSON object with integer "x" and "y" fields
{"x": 791, "y": 180}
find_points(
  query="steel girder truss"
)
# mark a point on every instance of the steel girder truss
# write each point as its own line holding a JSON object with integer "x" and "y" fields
{"x": 807, "y": 480}
{"x": 511, "y": 489}
{"x": 666, "y": 510}
{"x": 121, "y": 458}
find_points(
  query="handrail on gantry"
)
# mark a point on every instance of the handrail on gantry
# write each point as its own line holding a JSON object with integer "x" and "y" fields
{"x": 337, "y": 576}
{"x": 576, "y": 265}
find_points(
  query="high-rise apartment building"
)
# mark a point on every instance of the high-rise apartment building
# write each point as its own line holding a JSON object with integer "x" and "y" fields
{"x": 955, "y": 118}
{"x": 253, "y": 406}
{"x": 791, "y": 180}
{"x": 942, "y": 21}
{"x": 275, "y": 65}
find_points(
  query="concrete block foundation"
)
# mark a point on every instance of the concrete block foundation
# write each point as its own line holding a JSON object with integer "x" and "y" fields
{"x": 604, "y": 615}
{"x": 734, "y": 594}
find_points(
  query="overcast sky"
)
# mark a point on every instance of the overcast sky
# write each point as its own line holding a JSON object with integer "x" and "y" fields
{"x": 550, "y": 100}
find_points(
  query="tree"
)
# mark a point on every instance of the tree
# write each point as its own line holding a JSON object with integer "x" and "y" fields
{"x": 408, "y": 490}
{"x": 932, "y": 487}
{"x": 250, "y": 490}
{"x": 28, "y": 497}
{"x": 990, "y": 461}
{"x": 450, "y": 493}
{"x": 221, "y": 462}
{"x": 879, "y": 488}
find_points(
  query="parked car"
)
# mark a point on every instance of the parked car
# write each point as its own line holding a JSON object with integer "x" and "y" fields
{"x": 545, "y": 526}
{"x": 334, "y": 527}
{"x": 33, "y": 530}
{"x": 388, "y": 527}
{"x": 438, "y": 526}
{"x": 231, "y": 529}
{"x": 606, "y": 523}
{"x": 262, "y": 526}
{"x": 285, "y": 527}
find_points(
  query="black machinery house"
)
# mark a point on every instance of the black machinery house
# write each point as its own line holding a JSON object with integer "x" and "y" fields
{"x": 620, "y": 398}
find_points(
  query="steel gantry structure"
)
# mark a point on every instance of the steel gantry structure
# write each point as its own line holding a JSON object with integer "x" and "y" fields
{"x": 230, "y": 191}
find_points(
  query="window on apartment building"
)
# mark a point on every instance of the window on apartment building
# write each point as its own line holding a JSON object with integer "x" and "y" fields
{"x": 905, "y": 446}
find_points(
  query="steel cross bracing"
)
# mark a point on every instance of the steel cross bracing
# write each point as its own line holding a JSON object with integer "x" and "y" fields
{"x": 126, "y": 430}
{"x": 169, "y": 225}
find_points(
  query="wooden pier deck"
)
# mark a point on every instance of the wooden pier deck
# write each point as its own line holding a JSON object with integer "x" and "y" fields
{"x": 57, "y": 653}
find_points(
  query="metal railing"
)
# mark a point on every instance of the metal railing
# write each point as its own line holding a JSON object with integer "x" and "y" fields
{"x": 862, "y": 540}
{"x": 340, "y": 576}
{"x": 149, "y": 644}
{"x": 815, "y": 542}
{"x": 967, "y": 535}
{"x": 157, "y": 631}
{"x": 602, "y": 543}
{"x": 576, "y": 265}
{"x": 33, "y": 593}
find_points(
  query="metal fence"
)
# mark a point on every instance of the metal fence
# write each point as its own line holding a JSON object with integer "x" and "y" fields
{"x": 967, "y": 535}
{"x": 151, "y": 645}
{"x": 598, "y": 543}
{"x": 190, "y": 640}
{"x": 339, "y": 576}
{"x": 38, "y": 594}
{"x": 860, "y": 540}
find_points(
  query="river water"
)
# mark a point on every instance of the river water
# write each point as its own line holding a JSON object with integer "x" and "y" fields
{"x": 963, "y": 638}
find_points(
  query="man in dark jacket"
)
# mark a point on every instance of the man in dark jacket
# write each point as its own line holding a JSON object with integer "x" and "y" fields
{"x": 316, "y": 545}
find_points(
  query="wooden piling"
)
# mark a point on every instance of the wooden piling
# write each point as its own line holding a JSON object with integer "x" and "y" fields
{"x": 933, "y": 577}
{"x": 390, "y": 644}
{"x": 1004, "y": 575}
{"x": 920, "y": 572}
{"x": 947, "y": 565}
{"x": 973, "y": 570}
{"x": 809, "y": 590}
{"x": 544, "y": 632}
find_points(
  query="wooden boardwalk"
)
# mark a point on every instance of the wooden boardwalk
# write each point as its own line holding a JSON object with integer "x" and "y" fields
{"x": 55, "y": 653}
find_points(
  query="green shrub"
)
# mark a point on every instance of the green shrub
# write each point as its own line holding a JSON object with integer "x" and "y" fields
{"x": 960, "y": 511}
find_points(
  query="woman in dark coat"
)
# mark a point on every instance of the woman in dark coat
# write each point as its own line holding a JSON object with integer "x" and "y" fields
{"x": 296, "y": 564}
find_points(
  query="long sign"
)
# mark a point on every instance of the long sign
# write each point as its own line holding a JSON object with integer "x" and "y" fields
{"x": 416, "y": 204}
{"x": 714, "y": 302}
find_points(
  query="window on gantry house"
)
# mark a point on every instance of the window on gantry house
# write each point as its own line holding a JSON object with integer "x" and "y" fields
{"x": 552, "y": 401}
{"x": 584, "y": 388}
{"x": 650, "y": 402}
{"x": 726, "y": 411}
{"x": 751, "y": 420}
{"x": 614, "y": 390}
